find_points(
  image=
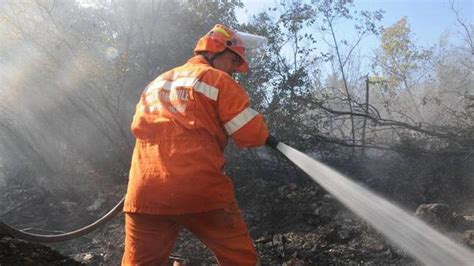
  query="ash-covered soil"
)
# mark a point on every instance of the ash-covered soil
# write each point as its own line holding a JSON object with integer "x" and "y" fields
{"x": 295, "y": 225}
{"x": 18, "y": 252}
{"x": 291, "y": 224}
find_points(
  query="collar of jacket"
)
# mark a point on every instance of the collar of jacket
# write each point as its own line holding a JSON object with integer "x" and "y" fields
{"x": 198, "y": 59}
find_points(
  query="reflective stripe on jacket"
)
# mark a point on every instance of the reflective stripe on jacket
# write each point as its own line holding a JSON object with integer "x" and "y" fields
{"x": 181, "y": 124}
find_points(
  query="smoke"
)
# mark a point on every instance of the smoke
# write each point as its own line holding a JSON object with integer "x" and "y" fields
{"x": 52, "y": 116}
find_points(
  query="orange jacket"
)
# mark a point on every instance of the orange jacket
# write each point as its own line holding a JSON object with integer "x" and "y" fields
{"x": 181, "y": 124}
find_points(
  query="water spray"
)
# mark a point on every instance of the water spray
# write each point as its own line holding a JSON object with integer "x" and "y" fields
{"x": 404, "y": 230}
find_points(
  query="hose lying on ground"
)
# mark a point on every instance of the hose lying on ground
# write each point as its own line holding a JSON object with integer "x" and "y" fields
{"x": 9, "y": 230}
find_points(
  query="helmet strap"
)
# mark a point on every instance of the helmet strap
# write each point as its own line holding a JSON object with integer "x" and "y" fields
{"x": 211, "y": 59}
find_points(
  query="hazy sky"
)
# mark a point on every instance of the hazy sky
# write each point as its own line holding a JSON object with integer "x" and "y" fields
{"x": 428, "y": 19}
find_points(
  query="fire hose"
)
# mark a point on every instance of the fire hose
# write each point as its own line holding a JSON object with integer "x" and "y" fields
{"x": 42, "y": 238}
{"x": 411, "y": 234}
{"x": 49, "y": 238}
{"x": 7, "y": 229}
{"x": 253, "y": 42}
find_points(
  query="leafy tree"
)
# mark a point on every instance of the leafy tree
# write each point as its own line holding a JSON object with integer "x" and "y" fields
{"x": 403, "y": 64}
{"x": 365, "y": 24}
{"x": 289, "y": 82}
{"x": 281, "y": 84}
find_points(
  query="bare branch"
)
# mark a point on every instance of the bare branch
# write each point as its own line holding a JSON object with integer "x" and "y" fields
{"x": 389, "y": 122}
{"x": 468, "y": 37}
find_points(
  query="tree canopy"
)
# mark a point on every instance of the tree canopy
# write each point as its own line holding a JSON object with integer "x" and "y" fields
{"x": 71, "y": 74}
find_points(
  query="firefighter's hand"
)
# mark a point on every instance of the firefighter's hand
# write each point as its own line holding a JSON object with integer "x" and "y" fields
{"x": 272, "y": 141}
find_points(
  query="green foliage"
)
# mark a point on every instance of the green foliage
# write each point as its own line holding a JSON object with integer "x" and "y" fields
{"x": 71, "y": 76}
{"x": 281, "y": 86}
{"x": 288, "y": 85}
{"x": 400, "y": 58}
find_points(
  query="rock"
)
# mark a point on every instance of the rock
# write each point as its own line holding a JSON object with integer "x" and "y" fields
{"x": 468, "y": 222}
{"x": 294, "y": 262}
{"x": 439, "y": 215}
{"x": 278, "y": 240}
{"x": 281, "y": 190}
{"x": 469, "y": 238}
{"x": 292, "y": 186}
{"x": 88, "y": 258}
{"x": 96, "y": 205}
{"x": 262, "y": 240}
{"x": 344, "y": 234}
{"x": 387, "y": 253}
{"x": 329, "y": 233}
{"x": 325, "y": 211}
{"x": 461, "y": 223}
{"x": 378, "y": 247}
{"x": 268, "y": 245}
{"x": 469, "y": 218}
{"x": 307, "y": 246}
{"x": 329, "y": 197}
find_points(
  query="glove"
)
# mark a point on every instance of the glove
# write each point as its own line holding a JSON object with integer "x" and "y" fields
{"x": 272, "y": 141}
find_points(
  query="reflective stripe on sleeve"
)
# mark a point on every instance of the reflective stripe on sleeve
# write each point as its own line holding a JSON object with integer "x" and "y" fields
{"x": 169, "y": 85}
{"x": 209, "y": 91}
{"x": 240, "y": 120}
{"x": 201, "y": 87}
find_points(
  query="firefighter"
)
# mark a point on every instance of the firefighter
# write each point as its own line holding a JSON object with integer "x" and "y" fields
{"x": 182, "y": 123}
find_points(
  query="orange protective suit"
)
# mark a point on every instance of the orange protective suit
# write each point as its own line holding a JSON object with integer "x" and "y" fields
{"x": 182, "y": 124}
{"x": 150, "y": 238}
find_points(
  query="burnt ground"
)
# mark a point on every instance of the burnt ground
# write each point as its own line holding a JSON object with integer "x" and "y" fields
{"x": 19, "y": 252}
{"x": 295, "y": 223}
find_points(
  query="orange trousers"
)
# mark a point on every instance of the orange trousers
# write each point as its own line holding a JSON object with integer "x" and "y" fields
{"x": 149, "y": 239}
